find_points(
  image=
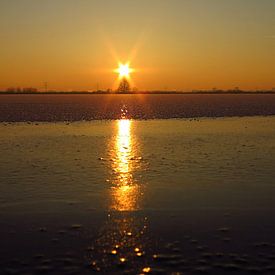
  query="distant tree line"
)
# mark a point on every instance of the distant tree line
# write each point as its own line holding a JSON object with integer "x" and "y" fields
{"x": 125, "y": 88}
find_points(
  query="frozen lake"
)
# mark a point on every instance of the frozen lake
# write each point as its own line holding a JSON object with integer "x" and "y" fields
{"x": 91, "y": 107}
{"x": 124, "y": 195}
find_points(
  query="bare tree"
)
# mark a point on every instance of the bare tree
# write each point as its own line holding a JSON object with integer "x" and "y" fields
{"x": 124, "y": 86}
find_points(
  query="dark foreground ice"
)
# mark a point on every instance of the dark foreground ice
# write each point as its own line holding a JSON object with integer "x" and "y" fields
{"x": 138, "y": 197}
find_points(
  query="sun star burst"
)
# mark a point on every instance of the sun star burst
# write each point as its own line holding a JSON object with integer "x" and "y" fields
{"x": 124, "y": 70}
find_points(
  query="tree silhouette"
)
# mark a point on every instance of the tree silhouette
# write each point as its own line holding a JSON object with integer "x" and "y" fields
{"x": 124, "y": 86}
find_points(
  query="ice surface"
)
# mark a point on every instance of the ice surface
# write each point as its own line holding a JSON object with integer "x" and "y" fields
{"x": 173, "y": 195}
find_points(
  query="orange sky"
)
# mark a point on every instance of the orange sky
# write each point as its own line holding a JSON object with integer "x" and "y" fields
{"x": 176, "y": 44}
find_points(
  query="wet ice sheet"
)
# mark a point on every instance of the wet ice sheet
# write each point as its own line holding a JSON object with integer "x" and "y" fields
{"x": 81, "y": 161}
{"x": 189, "y": 195}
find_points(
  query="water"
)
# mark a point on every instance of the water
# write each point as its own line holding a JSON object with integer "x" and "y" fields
{"x": 128, "y": 196}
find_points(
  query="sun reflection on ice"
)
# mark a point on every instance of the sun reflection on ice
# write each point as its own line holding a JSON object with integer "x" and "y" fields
{"x": 123, "y": 241}
{"x": 123, "y": 149}
{"x": 125, "y": 192}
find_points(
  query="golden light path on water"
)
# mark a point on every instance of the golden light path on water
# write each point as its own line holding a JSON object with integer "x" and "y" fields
{"x": 123, "y": 239}
{"x": 125, "y": 192}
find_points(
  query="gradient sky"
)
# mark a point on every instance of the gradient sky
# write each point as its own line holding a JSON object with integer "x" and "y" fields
{"x": 175, "y": 44}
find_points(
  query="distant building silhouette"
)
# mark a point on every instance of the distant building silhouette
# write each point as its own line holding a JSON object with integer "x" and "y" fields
{"x": 18, "y": 90}
{"x": 29, "y": 90}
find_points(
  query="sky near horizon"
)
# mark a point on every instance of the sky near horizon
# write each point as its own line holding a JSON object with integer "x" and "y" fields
{"x": 175, "y": 44}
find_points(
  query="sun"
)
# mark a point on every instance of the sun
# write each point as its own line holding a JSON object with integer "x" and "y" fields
{"x": 124, "y": 70}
